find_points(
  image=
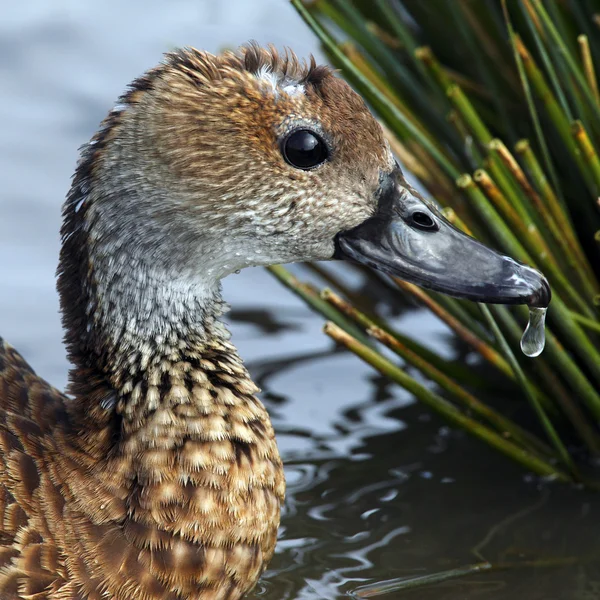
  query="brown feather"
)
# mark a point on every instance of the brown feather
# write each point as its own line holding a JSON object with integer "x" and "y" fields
{"x": 187, "y": 501}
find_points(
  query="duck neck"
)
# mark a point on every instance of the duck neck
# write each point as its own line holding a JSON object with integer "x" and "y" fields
{"x": 135, "y": 281}
{"x": 187, "y": 478}
{"x": 141, "y": 315}
{"x": 142, "y": 342}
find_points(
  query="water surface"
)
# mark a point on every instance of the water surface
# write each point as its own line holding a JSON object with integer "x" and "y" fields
{"x": 377, "y": 488}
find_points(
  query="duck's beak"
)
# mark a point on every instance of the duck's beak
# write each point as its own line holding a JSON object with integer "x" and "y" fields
{"x": 410, "y": 239}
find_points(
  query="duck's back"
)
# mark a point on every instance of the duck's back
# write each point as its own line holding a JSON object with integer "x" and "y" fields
{"x": 30, "y": 503}
{"x": 63, "y": 497}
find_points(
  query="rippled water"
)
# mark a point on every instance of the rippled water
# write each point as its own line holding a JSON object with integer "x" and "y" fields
{"x": 376, "y": 488}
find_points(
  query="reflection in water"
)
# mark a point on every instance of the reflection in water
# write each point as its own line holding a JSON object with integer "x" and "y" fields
{"x": 411, "y": 500}
{"x": 377, "y": 489}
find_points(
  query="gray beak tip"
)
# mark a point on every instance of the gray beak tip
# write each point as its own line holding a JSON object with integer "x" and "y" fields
{"x": 409, "y": 239}
{"x": 542, "y": 296}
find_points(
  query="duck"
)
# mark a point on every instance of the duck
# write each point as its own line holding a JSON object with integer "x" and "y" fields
{"x": 156, "y": 475}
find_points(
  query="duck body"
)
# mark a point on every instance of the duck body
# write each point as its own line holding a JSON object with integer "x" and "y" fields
{"x": 158, "y": 476}
{"x": 185, "y": 504}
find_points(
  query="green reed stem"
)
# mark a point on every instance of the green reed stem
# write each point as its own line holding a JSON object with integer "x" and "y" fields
{"x": 456, "y": 370}
{"x": 589, "y": 354}
{"x": 469, "y": 114}
{"x": 552, "y": 203}
{"x": 349, "y": 18}
{"x": 500, "y": 231}
{"x": 548, "y": 376}
{"x": 443, "y": 407}
{"x": 555, "y": 113}
{"x": 567, "y": 56}
{"x": 588, "y": 66}
{"x": 586, "y": 322}
{"x": 314, "y": 300}
{"x": 498, "y": 147}
{"x": 440, "y": 80}
{"x": 587, "y": 151}
{"x": 568, "y": 240}
{"x": 535, "y": 27}
{"x": 482, "y": 347}
{"x": 383, "y": 86}
{"x": 307, "y": 293}
{"x": 476, "y": 42}
{"x": 526, "y": 386}
{"x": 394, "y": 117}
{"x": 403, "y": 33}
{"x": 460, "y": 311}
{"x": 520, "y": 63}
{"x": 508, "y": 185}
{"x": 530, "y": 236}
{"x": 502, "y": 424}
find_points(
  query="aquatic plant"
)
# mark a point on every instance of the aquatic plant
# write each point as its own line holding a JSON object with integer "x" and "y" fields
{"x": 494, "y": 107}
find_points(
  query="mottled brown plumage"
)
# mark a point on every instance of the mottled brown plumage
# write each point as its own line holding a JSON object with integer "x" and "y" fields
{"x": 159, "y": 478}
{"x": 178, "y": 499}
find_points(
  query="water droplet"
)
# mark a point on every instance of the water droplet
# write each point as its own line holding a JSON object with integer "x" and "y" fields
{"x": 534, "y": 336}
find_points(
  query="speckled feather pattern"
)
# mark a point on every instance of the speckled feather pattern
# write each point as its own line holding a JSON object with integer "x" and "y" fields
{"x": 158, "y": 477}
{"x": 184, "y": 505}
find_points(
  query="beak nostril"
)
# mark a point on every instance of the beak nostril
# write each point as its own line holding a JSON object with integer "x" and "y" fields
{"x": 423, "y": 221}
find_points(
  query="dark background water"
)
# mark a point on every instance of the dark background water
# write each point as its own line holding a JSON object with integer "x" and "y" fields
{"x": 377, "y": 488}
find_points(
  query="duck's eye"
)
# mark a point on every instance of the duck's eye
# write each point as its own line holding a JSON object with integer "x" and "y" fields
{"x": 304, "y": 149}
{"x": 423, "y": 221}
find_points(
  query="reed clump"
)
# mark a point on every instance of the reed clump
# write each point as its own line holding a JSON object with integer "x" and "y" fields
{"x": 494, "y": 107}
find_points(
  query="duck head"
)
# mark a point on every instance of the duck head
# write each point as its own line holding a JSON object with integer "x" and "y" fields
{"x": 210, "y": 164}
